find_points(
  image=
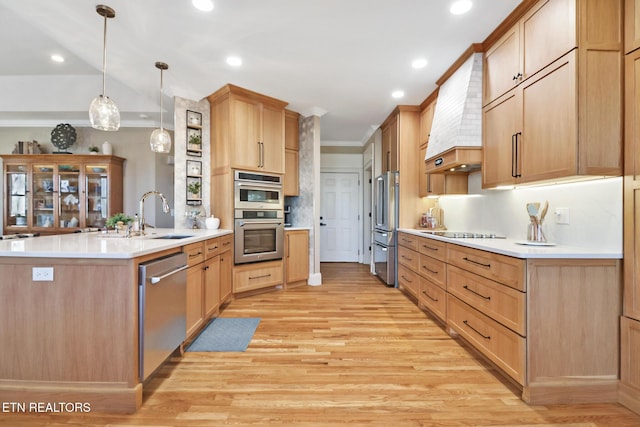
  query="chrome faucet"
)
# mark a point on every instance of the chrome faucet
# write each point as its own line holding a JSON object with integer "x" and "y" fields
{"x": 165, "y": 207}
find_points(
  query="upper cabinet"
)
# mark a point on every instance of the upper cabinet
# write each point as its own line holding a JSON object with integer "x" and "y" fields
{"x": 555, "y": 123}
{"x": 545, "y": 33}
{"x": 390, "y": 144}
{"x": 52, "y": 194}
{"x": 247, "y": 130}
{"x": 291, "y": 149}
{"x": 631, "y": 25}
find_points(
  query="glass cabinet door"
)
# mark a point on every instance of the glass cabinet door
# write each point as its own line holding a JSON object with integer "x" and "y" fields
{"x": 69, "y": 196}
{"x": 97, "y": 193}
{"x": 17, "y": 188}
{"x": 43, "y": 193}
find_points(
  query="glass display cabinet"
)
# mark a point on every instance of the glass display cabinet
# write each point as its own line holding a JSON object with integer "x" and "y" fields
{"x": 52, "y": 194}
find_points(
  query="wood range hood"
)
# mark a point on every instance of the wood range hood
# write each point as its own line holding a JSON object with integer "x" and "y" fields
{"x": 455, "y": 141}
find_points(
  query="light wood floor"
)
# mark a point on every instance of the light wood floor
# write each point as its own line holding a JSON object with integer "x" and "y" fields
{"x": 350, "y": 352}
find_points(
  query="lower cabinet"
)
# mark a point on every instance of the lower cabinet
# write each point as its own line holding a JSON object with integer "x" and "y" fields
{"x": 252, "y": 276}
{"x": 208, "y": 280}
{"x": 296, "y": 257}
{"x": 550, "y": 325}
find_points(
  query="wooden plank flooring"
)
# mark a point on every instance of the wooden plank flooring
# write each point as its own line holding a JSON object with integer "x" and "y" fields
{"x": 350, "y": 352}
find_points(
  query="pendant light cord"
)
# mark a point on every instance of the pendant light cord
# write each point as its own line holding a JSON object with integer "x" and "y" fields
{"x": 161, "y": 70}
{"x": 104, "y": 59}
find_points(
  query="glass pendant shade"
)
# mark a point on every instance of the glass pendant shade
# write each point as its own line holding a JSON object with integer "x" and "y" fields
{"x": 104, "y": 114}
{"x": 160, "y": 141}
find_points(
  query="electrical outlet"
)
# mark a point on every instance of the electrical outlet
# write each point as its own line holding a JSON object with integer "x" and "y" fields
{"x": 562, "y": 215}
{"x": 42, "y": 274}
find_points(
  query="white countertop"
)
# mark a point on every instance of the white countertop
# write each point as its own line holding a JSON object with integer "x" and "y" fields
{"x": 97, "y": 245}
{"x": 296, "y": 228}
{"x": 510, "y": 247}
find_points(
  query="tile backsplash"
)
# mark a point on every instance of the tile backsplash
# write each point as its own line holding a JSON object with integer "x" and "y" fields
{"x": 595, "y": 212}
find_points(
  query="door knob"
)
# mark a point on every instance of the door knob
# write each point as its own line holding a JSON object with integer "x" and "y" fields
{"x": 322, "y": 224}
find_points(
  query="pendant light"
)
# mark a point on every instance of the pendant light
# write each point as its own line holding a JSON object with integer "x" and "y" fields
{"x": 160, "y": 139}
{"x": 103, "y": 113}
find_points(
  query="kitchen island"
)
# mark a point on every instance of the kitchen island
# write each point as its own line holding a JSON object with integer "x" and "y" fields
{"x": 546, "y": 316}
{"x": 69, "y": 316}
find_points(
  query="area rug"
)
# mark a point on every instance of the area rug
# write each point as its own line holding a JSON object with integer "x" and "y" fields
{"x": 226, "y": 334}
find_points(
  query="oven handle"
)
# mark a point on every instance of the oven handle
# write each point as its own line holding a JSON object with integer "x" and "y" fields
{"x": 258, "y": 186}
{"x": 243, "y": 223}
{"x": 382, "y": 247}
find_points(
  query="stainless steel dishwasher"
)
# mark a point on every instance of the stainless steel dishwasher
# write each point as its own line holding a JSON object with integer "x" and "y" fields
{"x": 162, "y": 291}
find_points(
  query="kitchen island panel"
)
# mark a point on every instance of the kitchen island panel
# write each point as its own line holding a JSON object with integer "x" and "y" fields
{"x": 73, "y": 336}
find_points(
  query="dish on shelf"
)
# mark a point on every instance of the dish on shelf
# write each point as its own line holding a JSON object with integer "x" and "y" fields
{"x": 529, "y": 243}
{"x": 46, "y": 169}
{"x": 98, "y": 170}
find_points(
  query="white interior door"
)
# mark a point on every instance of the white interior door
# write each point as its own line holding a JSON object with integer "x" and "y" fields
{"x": 339, "y": 217}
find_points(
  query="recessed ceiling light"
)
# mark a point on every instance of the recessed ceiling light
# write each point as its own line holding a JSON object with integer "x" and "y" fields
{"x": 461, "y": 6}
{"x": 419, "y": 63}
{"x": 57, "y": 58}
{"x": 397, "y": 94}
{"x": 203, "y": 5}
{"x": 234, "y": 61}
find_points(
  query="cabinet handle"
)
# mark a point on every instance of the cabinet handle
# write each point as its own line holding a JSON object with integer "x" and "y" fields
{"x": 430, "y": 297}
{"x": 259, "y": 154}
{"x": 260, "y": 277}
{"x": 429, "y": 270}
{"x": 517, "y": 76}
{"x": 486, "y": 337}
{"x": 515, "y": 173}
{"x": 195, "y": 255}
{"x": 476, "y": 262}
{"x": 428, "y": 183}
{"x": 476, "y": 293}
{"x": 410, "y": 281}
{"x": 430, "y": 248}
{"x": 288, "y": 247}
{"x": 408, "y": 259}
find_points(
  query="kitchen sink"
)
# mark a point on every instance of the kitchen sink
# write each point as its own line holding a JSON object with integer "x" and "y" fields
{"x": 174, "y": 236}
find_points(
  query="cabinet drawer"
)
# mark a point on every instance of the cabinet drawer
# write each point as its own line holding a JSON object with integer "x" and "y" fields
{"x": 409, "y": 280}
{"x": 433, "y": 248}
{"x": 502, "y": 303}
{"x": 502, "y": 346}
{"x": 434, "y": 298}
{"x": 408, "y": 240}
{"x": 255, "y": 276}
{"x": 503, "y": 269}
{"x": 218, "y": 245}
{"x": 408, "y": 258}
{"x": 434, "y": 270}
{"x": 195, "y": 253}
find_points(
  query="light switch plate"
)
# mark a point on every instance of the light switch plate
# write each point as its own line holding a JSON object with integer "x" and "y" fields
{"x": 562, "y": 215}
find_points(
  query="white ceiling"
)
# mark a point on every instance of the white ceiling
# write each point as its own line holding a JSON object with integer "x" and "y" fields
{"x": 342, "y": 57}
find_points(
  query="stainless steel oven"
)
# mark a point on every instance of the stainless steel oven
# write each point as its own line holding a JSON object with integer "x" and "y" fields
{"x": 258, "y": 191}
{"x": 259, "y": 235}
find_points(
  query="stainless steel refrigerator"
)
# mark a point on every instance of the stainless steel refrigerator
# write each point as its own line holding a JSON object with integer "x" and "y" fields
{"x": 385, "y": 228}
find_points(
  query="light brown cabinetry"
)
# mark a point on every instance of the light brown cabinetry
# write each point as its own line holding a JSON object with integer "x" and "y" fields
{"x": 296, "y": 257}
{"x": 631, "y": 25}
{"x": 291, "y": 152}
{"x": 253, "y": 276}
{"x": 524, "y": 140}
{"x": 400, "y": 136}
{"x": 208, "y": 279}
{"x": 550, "y": 325}
{"x": 247, "y": 130}
{"x": 629, "y": 390}
{"x": 53, "y": 194}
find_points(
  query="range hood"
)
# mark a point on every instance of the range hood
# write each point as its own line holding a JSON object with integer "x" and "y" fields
{"x": 455, "y": 141}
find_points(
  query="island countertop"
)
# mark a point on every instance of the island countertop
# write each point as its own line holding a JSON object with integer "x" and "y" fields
{"x": 98, "y": 245}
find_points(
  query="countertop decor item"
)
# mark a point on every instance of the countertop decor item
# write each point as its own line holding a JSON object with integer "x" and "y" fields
{"x": 113, "y": 220}
{"x": 63, "y": 136}
{"x": 103, "y": 113}
{"x": 107, "y": 148}
{"x": 212, "y": 223}
{"x": 160, "y": 140}
{"x": 94, "y": 149}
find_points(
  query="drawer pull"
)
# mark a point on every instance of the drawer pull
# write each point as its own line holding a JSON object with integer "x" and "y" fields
{"x": 227, "y": 243}
{"x": 429, "y": 270}
{"x": 430, "y": 297}
{"x": 410, "y": 281}
{"x": 260, "y": 277}
{"x": 430, "y": 248}
{"x": 212, "y": 248}
{"x": 195, "y": 255}
{"x": 476, "y": 262}
{"x": 408, "y": 259}
{"x": 476, "y": 293}
{"x": 486, "y": 337}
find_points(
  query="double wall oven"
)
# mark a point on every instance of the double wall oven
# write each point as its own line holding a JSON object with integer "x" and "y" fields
{"x": 259, "y": 217}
